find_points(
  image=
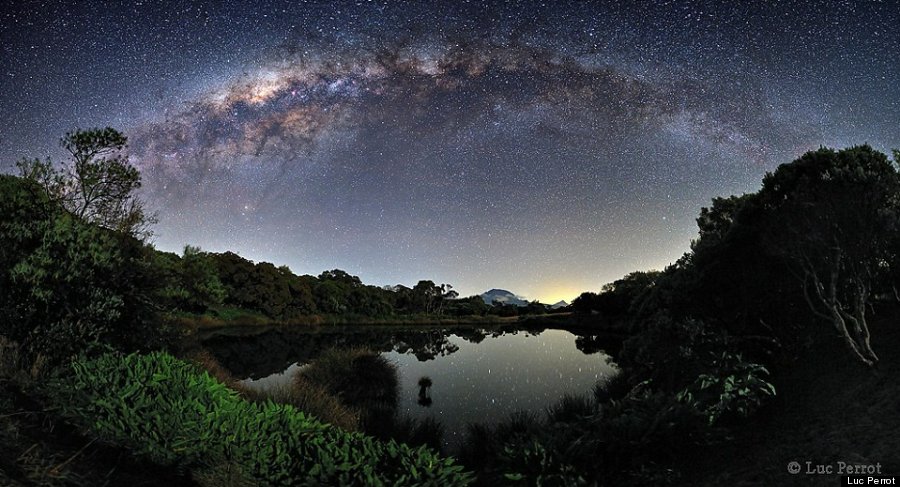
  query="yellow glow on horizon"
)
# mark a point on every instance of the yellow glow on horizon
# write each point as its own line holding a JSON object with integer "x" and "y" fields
{"x": 556, "y": 292}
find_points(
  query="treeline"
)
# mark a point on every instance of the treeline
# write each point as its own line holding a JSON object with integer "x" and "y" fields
{"x": 224, "y": 284}
{"x": 204, "y": 282}
{"x": 70, "y": 285}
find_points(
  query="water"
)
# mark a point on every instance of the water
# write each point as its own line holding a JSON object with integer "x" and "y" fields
{"x": 485, "y": 382}
{"x": 478, "y": 376}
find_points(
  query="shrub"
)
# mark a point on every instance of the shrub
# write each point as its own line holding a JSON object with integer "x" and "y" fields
{"x": 69, "y": 287}
{"x": 532, "y": 463}
{"x": 735, "y": 387}
{"x": 173, "y": 413}
{"x": 362, "y": 379}
{"x": 629, "y": 441}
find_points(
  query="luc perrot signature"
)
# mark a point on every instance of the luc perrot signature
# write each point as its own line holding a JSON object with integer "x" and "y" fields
{"x": 839, "y": 468}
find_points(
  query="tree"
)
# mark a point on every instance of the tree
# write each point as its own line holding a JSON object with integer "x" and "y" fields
{"x": 98, "y": 184}
{"x": 69, "y": 287}
{"x": 616, "y": 299}
{"x": 427, "y": 296}
{"x": 730, "y": 279}
{"x": 832, "y": 214}
{"x": 447, "y": 293}
{"x": 195, "y": 285}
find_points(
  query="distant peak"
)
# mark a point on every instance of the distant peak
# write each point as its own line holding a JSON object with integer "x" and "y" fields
{"x": 503, "y": 296}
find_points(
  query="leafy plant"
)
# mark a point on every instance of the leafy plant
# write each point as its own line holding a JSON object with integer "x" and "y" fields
{"x": 736, "y": 388}
{"x": 532, "y": 463}
{"x": 173, "y": 413}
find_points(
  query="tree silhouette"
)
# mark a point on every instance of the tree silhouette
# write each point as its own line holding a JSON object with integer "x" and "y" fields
{"x": 836, "y": 212}
{"x": 98, "y": 184}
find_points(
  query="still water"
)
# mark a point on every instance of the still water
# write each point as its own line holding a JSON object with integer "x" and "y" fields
{"x": 477, "y": 376}
{"x": 485, "y": 382}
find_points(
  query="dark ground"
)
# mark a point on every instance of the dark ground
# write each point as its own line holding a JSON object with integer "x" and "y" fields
{"x": 829, "y": 409}
{"x": 36, "y": 450}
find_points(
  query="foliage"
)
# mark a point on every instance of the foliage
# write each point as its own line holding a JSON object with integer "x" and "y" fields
{"x": 669, "y": 351}
{"x": 98, "y": 185}
{"x": 735, "y": 388}
{"x": 171, "y": 412}
{"x": 532, "y": 463}
{"x": 70, "y": 286}
{"x": 191, "y": 282}
{"x": 835, "y": 211}
{"x": 470, "y": 306}
{"x": 25, "y": 214}
{"x": 616, "y": 299}
{"x": 580, "y": 442}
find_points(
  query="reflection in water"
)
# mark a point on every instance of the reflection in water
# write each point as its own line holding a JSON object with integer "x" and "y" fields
{"x": 424, "y": 391}
{"x": 487, "y": 380}
{"x": 595, "y": 343}
{"x": 483, "y": 376}
{"x": 271, "y": 352}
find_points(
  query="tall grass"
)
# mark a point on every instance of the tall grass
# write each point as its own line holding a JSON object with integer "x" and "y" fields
{"x": 310, "y": 398}
{"x": 418, "y": 432}
{"x": 306, "y": 396}
{"x": 571, "y": 408}
{"x": 362, "y": 380}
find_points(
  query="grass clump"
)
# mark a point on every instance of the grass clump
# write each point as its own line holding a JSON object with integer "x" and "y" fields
{"x": 312, "y": 399}
{"x": 304, "y": 395}
{"x": 173, "y": 413}
{"x": 361, "y": 379}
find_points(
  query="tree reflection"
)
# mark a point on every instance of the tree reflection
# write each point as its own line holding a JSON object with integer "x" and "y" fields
{"x": 426, "y": 345}
{"x": 273, "y": 351}
{"x": 425, "y": 391}
{"x": 590, "y": 344}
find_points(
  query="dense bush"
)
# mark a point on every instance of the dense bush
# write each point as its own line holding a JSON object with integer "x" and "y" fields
{"x": 669, "y": 351}
{"x": 69, "y": 286}
{"x": 171, "y": 412}
{"x": 630, "y": 441}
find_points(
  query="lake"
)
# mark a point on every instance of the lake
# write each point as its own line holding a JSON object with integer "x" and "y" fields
{"x": 477, "y": 375}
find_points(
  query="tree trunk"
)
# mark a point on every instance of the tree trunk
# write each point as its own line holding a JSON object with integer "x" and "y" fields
{"x": 851, "y": 343}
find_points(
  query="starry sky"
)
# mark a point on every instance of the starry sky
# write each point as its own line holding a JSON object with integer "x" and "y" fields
{"x": 545, "y": 148}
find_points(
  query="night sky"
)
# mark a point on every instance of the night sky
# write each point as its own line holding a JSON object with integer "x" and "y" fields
{"x": 545, "y": 148}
